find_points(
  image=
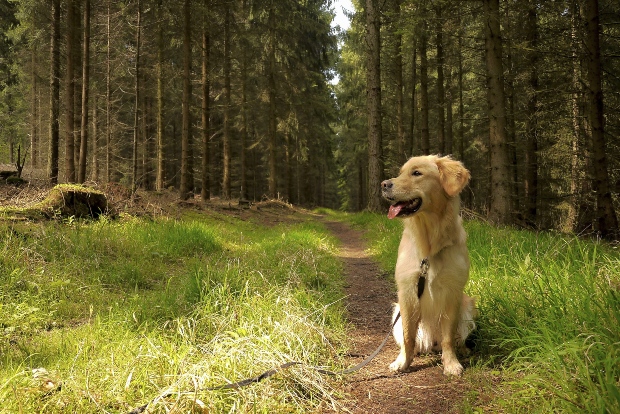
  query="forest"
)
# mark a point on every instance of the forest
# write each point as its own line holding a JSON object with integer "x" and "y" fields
{"x": 255, "y": 99}
{"x": 238, "y": 148}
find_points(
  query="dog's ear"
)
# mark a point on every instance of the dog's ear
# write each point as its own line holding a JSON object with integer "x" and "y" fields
{"x": 453, "y": 175}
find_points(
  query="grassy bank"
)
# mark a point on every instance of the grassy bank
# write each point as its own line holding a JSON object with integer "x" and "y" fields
{"x": 549, "y": 336}
{"x": 105, "y": 316}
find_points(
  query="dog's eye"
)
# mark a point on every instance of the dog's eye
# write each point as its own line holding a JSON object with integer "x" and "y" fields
{"x": 416, "y": 173}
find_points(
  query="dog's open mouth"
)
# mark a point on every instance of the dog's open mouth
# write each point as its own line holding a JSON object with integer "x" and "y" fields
{"x": 404, "y": 208}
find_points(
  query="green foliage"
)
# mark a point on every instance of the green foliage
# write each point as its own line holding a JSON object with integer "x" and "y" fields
{"x": 130, "y": 310}
{"x": 549, "y": 314}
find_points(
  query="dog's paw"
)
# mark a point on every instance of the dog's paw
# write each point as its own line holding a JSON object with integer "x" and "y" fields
{"x": 453, "y": 369}
{"x": 401, "y": 364}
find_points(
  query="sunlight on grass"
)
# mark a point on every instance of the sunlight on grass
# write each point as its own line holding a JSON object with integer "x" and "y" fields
{"x": 106, "y": 316}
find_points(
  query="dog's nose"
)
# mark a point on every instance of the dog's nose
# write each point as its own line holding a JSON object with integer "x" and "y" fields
{"x": 386, "y": 185}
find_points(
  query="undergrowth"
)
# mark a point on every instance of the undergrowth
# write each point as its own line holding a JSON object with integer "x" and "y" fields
{"x": 549, "y": 316}
{"x": 107, "y": 316}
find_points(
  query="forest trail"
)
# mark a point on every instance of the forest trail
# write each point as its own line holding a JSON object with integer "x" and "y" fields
{"x": 375, "y": 389}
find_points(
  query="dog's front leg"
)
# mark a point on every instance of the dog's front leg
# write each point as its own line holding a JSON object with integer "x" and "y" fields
{"x": 449, "y": 322}
{"x": 410, "y": 318}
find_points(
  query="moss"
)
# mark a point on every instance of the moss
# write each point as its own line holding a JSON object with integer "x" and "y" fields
{"x": 15, "y": 180}
{"x": 64, "y": 200}
{"x": 74, "y": 200}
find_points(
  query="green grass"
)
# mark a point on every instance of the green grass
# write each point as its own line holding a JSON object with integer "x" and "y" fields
{"x": 105, "y": 316}
{"x": 549, "y": 325}
{"x": 118, "y": 313}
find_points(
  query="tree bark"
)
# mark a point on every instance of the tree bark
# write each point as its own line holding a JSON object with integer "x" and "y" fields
{"x": 136, "y": 109}
{"x": 159, "y": 177}
{"x": 441, "y": 94}
{"x": 187, "y": 92}
{"x": 499, "y": 209}
{"x": 531, "y": 120}
{"x": 373, "y": 81}
{"x": 576, "y": 113}
{"x": 413, "y": 143}
{"x": 461, "y": 129}
{"x": 271, "y": 79}
{"x": 398, "y": 84}
{"x": 425, "y": 144}
{"x": 108, "y": 99}
{"x": 205, "y": 191}
{"x": 606, "y": 219}
{"x": 95, "y": 140}
{"x": 34, "y": 139}
{"x": 226, "y": 156}
{"x": 85, "y": 92}
{"x": 244, "y": 112}
{"x": 449, "y": 113}
{"x": 70, "y": 96}
{"x": 52, "y": 162}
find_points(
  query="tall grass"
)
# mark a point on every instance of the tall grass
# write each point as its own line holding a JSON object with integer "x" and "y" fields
{"x": 549, "y": 314}
{"x": 106, "y": 316}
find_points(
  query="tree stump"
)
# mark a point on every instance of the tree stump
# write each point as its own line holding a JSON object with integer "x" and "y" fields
{"x": 68, "y": 200}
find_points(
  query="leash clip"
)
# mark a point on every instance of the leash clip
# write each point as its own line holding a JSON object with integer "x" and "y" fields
{"x": 424, "y": 265}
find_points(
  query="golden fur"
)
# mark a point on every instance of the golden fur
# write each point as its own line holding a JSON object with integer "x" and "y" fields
{"x": 443, "y": 316}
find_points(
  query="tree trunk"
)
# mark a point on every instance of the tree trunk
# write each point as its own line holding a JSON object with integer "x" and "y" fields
{"x": 70, "y": 96}
{"x": 159, "y": 178}
{"x": 77, "y": 97}
{"x": 95, "y": 140}
{"x": 606, "y": 219}
{"x": 146, "y": 153}
{"x": 136, "y": 109}
{"x": 108, "y": 99}
{"x": 34, "y": 139}
{"x": 425, "y": 144}
{"x": 52, "y": 162}
{"x": 461, "y": 133}
{"x": 244, "y": 112}
{"x": 205, "y": 192}
{"x": 85, "y": 91}
{"x": 441, "y": 94}
{"x": 499, "y": 211}
{"x": 226, "y": 134}
{"x": 373, "y": 81}
{"x": 531, "y": 117}
{"x": 413, "y": 143}
{"x": 288, "y": 167}
{"x": 187, "y": 92}
{"x": 398, "y": 84}
{"x": 577, "y": 135}
{"x": 511, "y": 130}
{"x": 449, "y": 113}
{"x": 271, "y": 79}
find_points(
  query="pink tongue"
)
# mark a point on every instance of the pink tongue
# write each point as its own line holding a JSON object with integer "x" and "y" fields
{"x": 394, "y": 210}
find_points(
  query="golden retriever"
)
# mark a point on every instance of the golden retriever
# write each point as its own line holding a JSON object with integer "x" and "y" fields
{"x": 426, "y": 196}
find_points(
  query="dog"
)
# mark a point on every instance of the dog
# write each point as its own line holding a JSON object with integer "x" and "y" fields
{"x": 426, "y": 196}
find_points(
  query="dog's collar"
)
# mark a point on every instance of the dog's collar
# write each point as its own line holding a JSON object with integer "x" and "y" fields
{"x": 424, "y": 265}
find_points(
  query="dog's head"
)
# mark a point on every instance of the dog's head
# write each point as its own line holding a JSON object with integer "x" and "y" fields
{"x": 425, "y": 182}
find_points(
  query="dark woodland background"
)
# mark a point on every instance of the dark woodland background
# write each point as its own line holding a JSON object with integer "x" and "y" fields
{"x": 238, "y": 99}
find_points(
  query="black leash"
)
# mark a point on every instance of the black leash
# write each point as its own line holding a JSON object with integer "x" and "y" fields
{"x": 424, "y": 265}
{"x": 267, "y": 374}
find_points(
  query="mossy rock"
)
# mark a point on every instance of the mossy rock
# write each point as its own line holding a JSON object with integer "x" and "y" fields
{"x": 70, "y": 200}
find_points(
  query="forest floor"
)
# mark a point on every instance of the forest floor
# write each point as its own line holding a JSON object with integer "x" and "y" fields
{"x": 369, "y": 298}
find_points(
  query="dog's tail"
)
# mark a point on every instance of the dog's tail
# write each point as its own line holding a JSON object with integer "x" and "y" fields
{"x": 429, "y": 339}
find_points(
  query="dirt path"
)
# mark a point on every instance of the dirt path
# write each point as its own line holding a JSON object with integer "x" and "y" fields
{"x": 375, "y": 389}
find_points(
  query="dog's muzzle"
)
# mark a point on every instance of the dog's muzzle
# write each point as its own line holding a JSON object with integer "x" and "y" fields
{"x": 399, "y": 208}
